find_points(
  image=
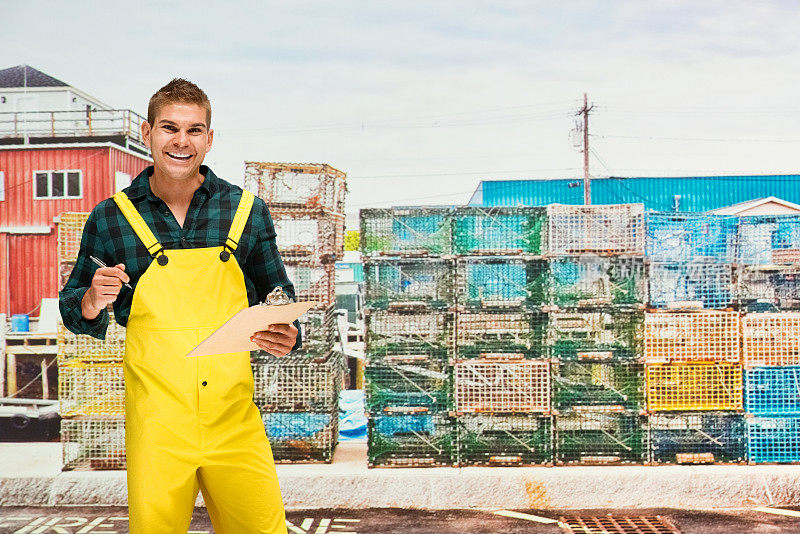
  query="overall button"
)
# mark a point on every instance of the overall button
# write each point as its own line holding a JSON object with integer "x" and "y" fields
{"x": 205, "y": 383}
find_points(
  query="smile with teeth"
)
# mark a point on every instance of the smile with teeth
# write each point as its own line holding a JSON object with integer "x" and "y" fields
{"x": 180, "y": 157}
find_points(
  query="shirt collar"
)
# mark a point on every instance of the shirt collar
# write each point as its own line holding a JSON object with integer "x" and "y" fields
{"x": 140, "y": 186}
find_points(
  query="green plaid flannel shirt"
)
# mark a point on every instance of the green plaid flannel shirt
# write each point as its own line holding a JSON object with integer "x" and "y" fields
{"x": 109, "y": 237}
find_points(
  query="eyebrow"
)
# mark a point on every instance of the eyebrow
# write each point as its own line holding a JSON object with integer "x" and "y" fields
{"x": 167, "y": 121}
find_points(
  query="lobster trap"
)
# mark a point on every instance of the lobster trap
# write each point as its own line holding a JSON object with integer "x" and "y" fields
{"x": 498, "y": 230}
{"x": 297, "y": 383}
{"x": 73, "y": 346}
{"x": 596, "y": 335}
{"x": 616, "y": 229}
{"x": 685, "y": 237}
{"x": 70, "y": 231}
{"x": 597, "y": 386}
{"x": 313, "y": 282}
{"x": 91, "y": 388}
{"x": 309, "y": 234}
{"x": 297, "y": 185}
{"x": 706, "y": 285}
{"x": 594, "y": 281}
{"x": 769, "y": 239}
{"x": 302, "y": 437}
{"x": 504, "y": 440}
{"x": 409, "y": 283}
{"x": 411, "y": 440}
{"x": 93, "y": 443}
{"x": 407, "y": 388}
{"x": 501, "y": 282}
{"x": 502, "y": 386}
{"x": 771, "y": 287}
{"x": 318, "y": 331}
{"x": 600, "y": 438}
{"x": 398, "y": 335}
{"x": 692, "y": 336}
{"x": 406, "y": 231}
{"x": 695, "y": 438}
{"x": 492, "y": 334}
{"x": 694, "y": 386}
{"x": 773, "y": 439}
{"x": 773, "y": 390}
{"x": 771, "y": 339}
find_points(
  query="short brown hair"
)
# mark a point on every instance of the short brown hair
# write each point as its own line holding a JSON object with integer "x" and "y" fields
{"x": 178, "y": 91}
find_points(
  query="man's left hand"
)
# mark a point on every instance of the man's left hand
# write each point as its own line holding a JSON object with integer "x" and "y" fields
{"x": 277, "y": 339}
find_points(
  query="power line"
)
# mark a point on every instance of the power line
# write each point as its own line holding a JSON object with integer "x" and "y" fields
{"x": 715, "y": 139}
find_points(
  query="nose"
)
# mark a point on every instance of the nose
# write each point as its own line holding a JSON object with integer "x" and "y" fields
{"x": 181, "y": 138}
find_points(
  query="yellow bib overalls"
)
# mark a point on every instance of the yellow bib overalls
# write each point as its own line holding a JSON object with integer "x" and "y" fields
{"x": 190, "y": 422}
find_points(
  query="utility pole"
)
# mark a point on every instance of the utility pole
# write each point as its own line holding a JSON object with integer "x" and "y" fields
{"x": 587, "y": 181}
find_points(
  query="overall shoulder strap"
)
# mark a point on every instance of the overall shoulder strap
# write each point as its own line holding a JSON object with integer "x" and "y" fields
{"x": 240, "y": 220}
{"x": 137, "y": 223}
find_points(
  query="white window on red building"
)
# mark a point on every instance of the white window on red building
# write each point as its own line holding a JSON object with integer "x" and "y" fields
{"x": 57, "y": 184}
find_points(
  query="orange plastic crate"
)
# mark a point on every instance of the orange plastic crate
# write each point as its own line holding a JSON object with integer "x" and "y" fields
{"x": 771, "y": 339}
{"x": 692, "y": 337}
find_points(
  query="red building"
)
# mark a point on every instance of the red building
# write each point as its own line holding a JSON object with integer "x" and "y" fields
{"x": 60, "y": 151}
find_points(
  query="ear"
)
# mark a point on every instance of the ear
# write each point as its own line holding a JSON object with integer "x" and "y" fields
{"x": 146, "y": 133}
{"x": 210, "y": 140}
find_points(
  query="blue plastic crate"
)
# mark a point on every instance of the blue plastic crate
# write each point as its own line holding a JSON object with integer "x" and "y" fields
{"x": 773, "y": 390}
{"x": 501, "y": 282}
{"x": 675, "y": 237}
{"x": 709, "y": 283}
{"x": 769, "y": 239}
{"x": 773, "y": 439}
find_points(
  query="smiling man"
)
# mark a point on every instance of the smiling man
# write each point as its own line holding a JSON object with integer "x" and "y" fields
{"x": 195, "y": 250}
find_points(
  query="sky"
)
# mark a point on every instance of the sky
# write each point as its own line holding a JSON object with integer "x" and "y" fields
{"x": 419, "y": 101}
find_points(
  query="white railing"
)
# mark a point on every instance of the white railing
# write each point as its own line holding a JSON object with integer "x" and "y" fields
{"x": 102, "y": 122}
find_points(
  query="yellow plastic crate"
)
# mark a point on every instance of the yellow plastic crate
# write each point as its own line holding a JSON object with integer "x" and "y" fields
{"x": 771, "y": 339}
{"x": 694, "y": 386}
{"x": 91, "y": 388}
{"x": 72, "y": 346}
{"x": 692, "y": 337}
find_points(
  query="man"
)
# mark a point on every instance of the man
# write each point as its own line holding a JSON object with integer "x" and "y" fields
{"x": 195, "y": 249}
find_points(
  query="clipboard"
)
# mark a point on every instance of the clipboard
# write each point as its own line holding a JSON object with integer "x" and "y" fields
{"x": 234, "y": 335}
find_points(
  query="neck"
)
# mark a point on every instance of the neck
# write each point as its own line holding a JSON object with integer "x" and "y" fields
{"x": 174, "y": 191}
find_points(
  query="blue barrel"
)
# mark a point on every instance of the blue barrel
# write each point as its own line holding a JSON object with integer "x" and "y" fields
{"x": 20, "y": 322}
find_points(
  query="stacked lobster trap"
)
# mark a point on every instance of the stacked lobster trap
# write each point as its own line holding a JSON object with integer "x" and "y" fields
{"x": 298, "y": 395}
{"x": 596, "y": 297}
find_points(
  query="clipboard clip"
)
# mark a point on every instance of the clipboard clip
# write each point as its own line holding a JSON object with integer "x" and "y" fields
{"x": 277, "y": 296}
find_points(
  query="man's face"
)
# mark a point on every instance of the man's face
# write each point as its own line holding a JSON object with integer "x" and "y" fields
{"x": 179, "y": 140}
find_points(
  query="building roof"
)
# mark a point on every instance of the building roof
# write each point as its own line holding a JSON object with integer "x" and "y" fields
{"x": 760, "y": 206}
{"x": 27, "y": 76}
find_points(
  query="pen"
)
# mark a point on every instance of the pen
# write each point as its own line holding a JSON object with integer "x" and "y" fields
{"x": 101, "y": 264}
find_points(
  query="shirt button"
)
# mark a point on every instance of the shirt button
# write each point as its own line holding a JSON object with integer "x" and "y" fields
{"x": 205, "y": 383}
{"x": 166, "y": 214}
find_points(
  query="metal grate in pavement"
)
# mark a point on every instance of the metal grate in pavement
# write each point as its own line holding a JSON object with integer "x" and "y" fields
{"x": 610, "y": 524}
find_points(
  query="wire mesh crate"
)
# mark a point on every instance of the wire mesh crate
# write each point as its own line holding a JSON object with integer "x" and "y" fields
{"x": 769, "y": 239}
{"x": 595, "y": 335}
{"x": 297, "y": 383}
{"x": 403, "y": 333}
{"x": 409, "y": 283}
{"x": 497, "y": 440}
{"x": 70, "y": 231}
{"x": 773, "y": 390}
{"x": 410, "y": 440}
{"x": 694, "y": 386}
{"x": 313, "y": 282}
{"x": 501, "y": 282}
{"x": 64, "y": 271}
{"x": 72, "y": 346}
{"x": 406, "y": 231}
{"x": 407, "y": 388}
{"x": 683, "y": 237}
{"x": 692, "y": 438}
{"x": 297, "y": 185}
{"x": 93, "y": 443}
{"x": 708, "y": 285}
{"x": 692, "y": 336}
{"x": 491, "y": 334}
{"x": 773, "y": 439}
{"x": 601, "y": 229}
{"x": 600, "y": 438}
{"x": 91, "y": 388}
{"x": 588, "y": 281}
{"x": 502, "y": 386}
{"x": 771, "y": 339}
{"x": 309, "y": 234}
{"x": 302, "y": 437}
{"x": 611, "y": 386}
{"x": 499, "y": 230}
{"x": 318, "y": 330}
{"x": 770, "y": 287}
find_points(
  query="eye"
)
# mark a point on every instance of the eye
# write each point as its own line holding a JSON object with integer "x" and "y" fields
{"x": 170, "y": 128}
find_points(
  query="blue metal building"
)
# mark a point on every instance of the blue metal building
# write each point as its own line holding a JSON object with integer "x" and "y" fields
{"x": 695, "y": 193}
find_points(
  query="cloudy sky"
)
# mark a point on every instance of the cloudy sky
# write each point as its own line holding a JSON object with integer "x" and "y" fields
{"x": 419, "y": 101}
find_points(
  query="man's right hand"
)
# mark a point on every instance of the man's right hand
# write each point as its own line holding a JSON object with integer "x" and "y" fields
{"x": 105, "y": 287}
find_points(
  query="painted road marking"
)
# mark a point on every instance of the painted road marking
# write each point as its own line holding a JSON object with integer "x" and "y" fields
{"x": 322, "y": 527}
{"x": 777, "y": 511}
{"x": 527, "y": 517}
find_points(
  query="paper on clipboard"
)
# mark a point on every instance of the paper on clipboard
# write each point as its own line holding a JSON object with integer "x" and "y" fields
{"x": 234, "y": 335}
